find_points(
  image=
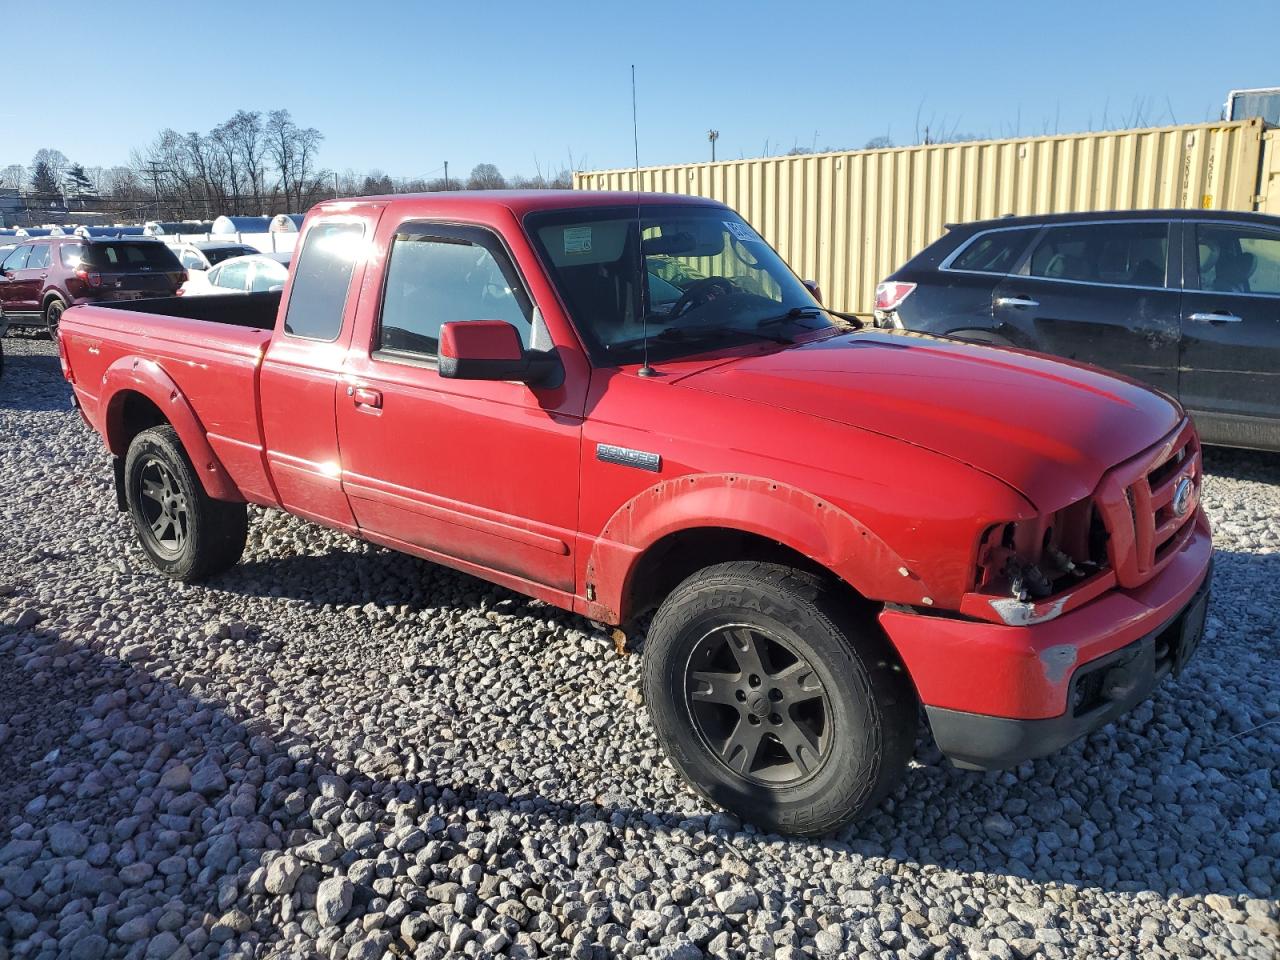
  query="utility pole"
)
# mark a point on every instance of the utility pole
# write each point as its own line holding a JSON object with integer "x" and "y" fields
{"x": 446, "y": 176}
{"x": 154, "y": 171}
{"x": 713, "y": 136}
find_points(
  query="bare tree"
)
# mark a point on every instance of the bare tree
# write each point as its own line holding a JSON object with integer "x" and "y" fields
{"x": 55, "y": 161}
{"x": 222, "y": 142}
{"x": 485, "y": 176}
{"x": 13, "y": 176}
{"x": 247, "y": 137}
{"x": 293, "y": 151}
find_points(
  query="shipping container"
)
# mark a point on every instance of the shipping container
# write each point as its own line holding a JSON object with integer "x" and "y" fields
{"x": 849, "y": 219}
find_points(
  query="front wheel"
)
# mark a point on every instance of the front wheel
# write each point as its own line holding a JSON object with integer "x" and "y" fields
{"x": 185, "y": 533}
{"x": 774, "y": 700}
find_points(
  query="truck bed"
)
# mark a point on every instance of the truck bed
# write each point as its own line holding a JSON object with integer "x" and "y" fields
{"x": 254, "y": 310}
{"x": 203, "y": 354}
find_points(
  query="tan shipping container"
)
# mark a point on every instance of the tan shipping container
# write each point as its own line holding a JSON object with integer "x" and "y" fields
{"x": 849, "y": 219}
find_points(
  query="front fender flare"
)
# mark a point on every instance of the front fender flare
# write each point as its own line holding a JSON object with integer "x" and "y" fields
{"x": 816, "y": 528}
{"x": 146, "y": 377}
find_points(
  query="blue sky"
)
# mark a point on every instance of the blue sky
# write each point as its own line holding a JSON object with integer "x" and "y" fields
{"x": 403, "y": 86}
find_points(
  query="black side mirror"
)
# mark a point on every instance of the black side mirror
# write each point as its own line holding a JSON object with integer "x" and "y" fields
{"x": 491, "y": 350}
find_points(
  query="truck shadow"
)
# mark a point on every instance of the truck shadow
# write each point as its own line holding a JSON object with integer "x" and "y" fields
{"x": 1260, "y": 466}
{"x": 89, "y": 735}
{"x": 1165, "y": 800}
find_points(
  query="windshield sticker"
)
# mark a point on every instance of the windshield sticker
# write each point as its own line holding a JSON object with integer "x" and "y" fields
{"x": 741, "y": 231}
{"x": 577, "y": 240}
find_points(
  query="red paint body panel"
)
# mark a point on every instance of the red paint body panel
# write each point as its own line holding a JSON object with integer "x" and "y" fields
{"x": 884, "y": 458}
{"x": 480, "y": 339}
{"x": 202, "y": 376}
{"x": 1002, "y": 671}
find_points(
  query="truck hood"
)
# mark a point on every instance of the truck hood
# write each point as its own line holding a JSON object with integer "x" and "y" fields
{"x": 1046, "y": 427}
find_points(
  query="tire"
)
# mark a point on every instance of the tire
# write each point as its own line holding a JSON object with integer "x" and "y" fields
{"x": 53, "y": 311}
{"x": 186, "y": 534}
{"x": 843, "y": 703}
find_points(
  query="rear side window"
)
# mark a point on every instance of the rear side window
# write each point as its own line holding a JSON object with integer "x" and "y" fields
{"x": 1127, "y": 254}
{"x": 994, "y": 252}
{"x": 39, "y": 257}
{"x": 71, "y": 253}
{"x": 321, "y": 279}
{"x": 462, "y": 274}
{"x": 130, "y": 256}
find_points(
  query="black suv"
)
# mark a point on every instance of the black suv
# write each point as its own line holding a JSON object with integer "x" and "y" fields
{"x": 1187, "y": 300}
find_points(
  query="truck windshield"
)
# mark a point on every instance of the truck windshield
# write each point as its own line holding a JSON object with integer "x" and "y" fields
{"x": 710, "y": 281}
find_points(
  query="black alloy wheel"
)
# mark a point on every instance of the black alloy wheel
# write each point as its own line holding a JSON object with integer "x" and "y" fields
{"x": 759, "y": 705}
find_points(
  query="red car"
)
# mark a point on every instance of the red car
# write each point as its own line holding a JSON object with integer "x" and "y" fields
{"x": 43, "y": 276}
{"x": 627, "y": 405}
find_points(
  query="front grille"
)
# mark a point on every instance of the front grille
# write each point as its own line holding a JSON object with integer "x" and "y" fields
{"x": 1137, "y": 502}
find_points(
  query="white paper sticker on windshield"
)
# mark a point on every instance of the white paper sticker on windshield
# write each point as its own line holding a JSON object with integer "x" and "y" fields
{"x": 577, "y": 240}
{"x": 741, "y": 231}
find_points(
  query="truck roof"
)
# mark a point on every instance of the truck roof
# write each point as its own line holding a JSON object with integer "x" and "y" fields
{"x": 521, "y": 202}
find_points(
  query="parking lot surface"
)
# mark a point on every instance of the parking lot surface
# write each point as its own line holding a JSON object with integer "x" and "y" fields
{"x": 339, "y": 751}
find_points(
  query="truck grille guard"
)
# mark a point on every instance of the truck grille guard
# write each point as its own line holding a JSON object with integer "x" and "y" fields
{"x": 1148, "y": 504}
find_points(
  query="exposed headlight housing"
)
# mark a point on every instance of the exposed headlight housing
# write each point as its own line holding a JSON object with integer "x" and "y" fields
{"x": 1028, "y": 571}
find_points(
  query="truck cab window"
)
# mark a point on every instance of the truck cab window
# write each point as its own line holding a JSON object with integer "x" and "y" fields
{"x": 321, "y": 279}
{"x": 436, "y": 280}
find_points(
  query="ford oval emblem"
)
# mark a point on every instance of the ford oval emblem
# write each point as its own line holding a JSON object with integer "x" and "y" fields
{"x": 1182, "y": 497}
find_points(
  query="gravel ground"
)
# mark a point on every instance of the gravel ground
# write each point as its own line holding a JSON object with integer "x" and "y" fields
{"x": 336, "y": 750}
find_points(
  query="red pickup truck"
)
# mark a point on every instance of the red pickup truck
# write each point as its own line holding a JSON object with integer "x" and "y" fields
{"x": 628, "y": 406}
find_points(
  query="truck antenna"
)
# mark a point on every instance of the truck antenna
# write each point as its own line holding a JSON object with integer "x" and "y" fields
{"x": 645, "y": 370}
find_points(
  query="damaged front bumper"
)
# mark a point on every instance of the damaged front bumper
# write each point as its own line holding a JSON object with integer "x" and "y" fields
{"x": 996, "y": 695}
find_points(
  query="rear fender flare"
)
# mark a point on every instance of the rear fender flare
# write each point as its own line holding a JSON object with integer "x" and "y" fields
{"x": 811, "y": 526}
{"x": 146, "y": 377}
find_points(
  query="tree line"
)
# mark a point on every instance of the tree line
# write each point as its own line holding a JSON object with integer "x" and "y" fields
{"x": 253, "y": 163}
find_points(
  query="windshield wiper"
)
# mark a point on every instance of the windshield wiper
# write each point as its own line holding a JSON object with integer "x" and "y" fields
{"x": 796, "y": 313}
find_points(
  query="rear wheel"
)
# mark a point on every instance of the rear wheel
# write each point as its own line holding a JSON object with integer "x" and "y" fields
{"x": 774, "y": 701}
{"x": 185, "y": 533}
{"x": 52, "y": 316}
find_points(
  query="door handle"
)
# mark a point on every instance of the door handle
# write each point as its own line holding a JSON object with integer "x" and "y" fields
{"x": 365, "y": 397}
{"x": 1214, "y": 318}
{"x": 1016, "y": 302}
